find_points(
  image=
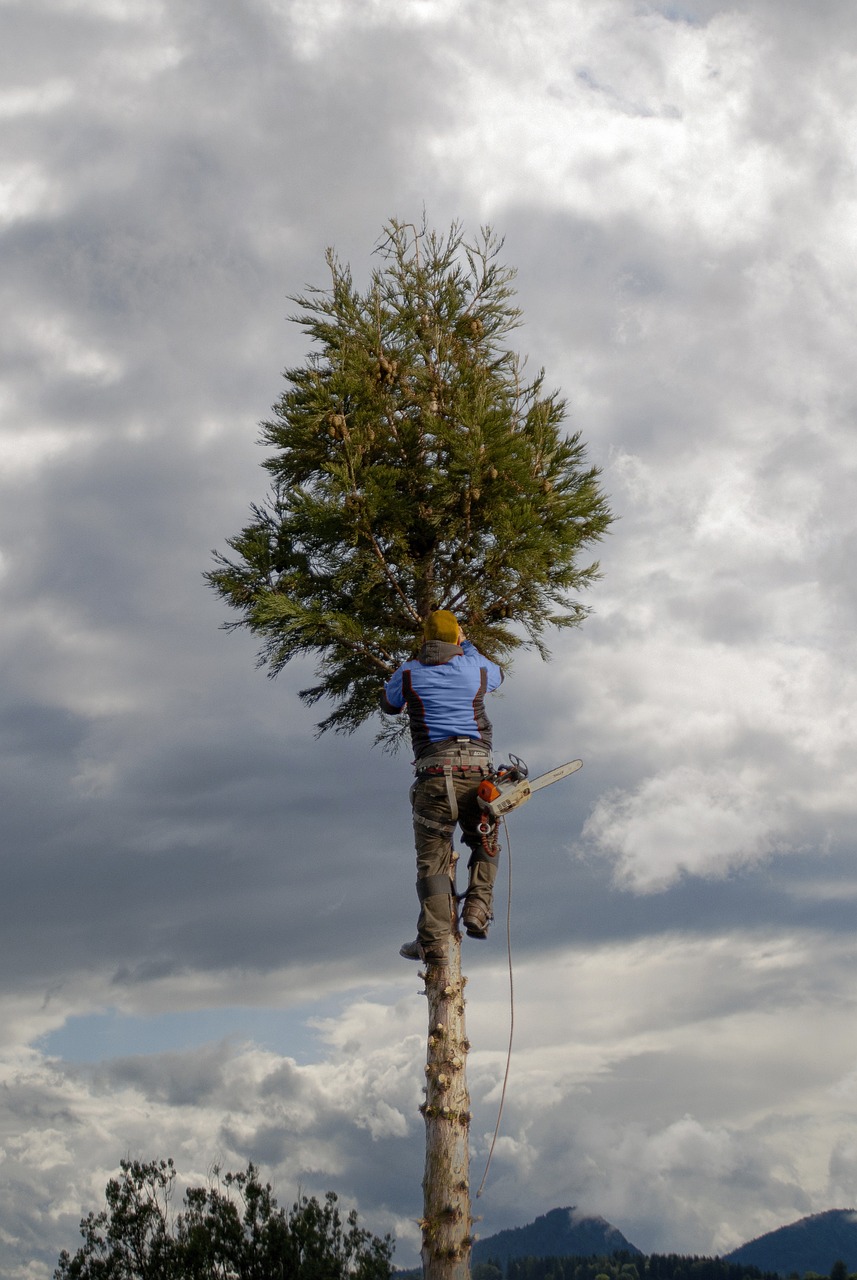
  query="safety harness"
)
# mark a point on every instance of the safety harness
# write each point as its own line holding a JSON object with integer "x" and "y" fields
{"x": 461, "y": 759}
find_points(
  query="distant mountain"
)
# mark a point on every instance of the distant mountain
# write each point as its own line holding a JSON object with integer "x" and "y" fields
{"x": 812, "y": 1244}
{"x": 561, "y": 1233}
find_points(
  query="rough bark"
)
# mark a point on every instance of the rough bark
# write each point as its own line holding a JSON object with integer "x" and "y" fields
{"x": 447, "y": 1221}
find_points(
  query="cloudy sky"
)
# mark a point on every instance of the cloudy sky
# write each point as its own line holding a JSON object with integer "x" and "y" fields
{"x": 201, "y": 903}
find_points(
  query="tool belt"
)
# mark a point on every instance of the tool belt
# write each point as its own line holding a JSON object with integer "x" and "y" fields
{"x": 468, "y": 757}
{"x": 431, "y": 769}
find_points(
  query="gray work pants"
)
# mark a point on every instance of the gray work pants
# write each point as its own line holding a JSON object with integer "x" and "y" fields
{"x": 430, "y": 803}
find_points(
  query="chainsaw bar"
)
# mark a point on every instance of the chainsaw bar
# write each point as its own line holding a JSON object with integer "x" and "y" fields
{"x": 554, "y": 775}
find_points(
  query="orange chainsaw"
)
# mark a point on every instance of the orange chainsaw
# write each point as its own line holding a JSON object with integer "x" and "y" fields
{"x": 509, "y": 785}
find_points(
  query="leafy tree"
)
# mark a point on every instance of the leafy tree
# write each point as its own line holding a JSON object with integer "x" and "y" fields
{"x": 231, "y": 1230}
{"x": 488, "y": 1270}
{"x": 414, "y": 467}
{"x": 133, "y": 1235}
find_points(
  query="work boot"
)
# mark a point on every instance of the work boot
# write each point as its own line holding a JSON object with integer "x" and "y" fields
{"x": 476, "y": 918}
{"x": 416, "y": 951}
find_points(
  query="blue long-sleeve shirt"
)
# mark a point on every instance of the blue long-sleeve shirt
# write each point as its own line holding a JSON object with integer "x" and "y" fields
{"x": 444, "y": 691}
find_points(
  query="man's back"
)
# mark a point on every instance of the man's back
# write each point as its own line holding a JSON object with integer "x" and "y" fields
{"x": 444, "y": 691}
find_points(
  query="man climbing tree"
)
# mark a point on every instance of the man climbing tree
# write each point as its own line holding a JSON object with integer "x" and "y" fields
{"x": 417, "y": 476}
{"x": 444, "y": 691}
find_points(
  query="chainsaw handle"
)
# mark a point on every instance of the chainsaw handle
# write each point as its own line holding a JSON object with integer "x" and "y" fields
{"x": 519, "y": 765}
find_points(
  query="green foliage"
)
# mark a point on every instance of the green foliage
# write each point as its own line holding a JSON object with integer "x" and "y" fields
{"x": 230, "y": 1230}
{"x": 490, "y": 1270}
{"x": 414, "y": 468}
{"x": 132, "y": 1236}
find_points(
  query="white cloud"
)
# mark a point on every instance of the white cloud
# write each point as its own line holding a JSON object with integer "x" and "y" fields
{"x": 46, "y": 98}
{"x": 309, "y": 1125}
{"x": 118, "y": 11}
{"x": 22, "y": 452}
{"x": 26, "y": 189}
{"x": 623, "y": 1098}
{"x": 613, "y": 116}
{"x": 685, "y": 821}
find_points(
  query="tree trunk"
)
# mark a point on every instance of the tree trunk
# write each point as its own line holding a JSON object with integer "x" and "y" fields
{"x": 447, "y": 1222}
{"x": 425, "y": 585}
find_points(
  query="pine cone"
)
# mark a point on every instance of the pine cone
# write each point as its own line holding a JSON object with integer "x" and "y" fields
{"x": 388, "y": 370}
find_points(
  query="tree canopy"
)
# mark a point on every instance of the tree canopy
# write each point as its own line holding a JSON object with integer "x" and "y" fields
{"x": 414, "y": 467}
{"x": 232, "y": 1229}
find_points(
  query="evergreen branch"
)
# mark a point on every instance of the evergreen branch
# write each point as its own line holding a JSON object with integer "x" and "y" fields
{"x": 365, "y": 652}
{"x": 391, "y": 578}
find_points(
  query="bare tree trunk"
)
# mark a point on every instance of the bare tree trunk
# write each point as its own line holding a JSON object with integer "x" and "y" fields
{"x": 426, "y": 585}
{"x": 447, "y": 1222}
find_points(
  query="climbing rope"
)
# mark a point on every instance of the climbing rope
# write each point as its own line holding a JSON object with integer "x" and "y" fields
{"x": 511, "y": 1011}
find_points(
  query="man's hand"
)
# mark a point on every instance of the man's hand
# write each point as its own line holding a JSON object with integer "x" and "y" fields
{"x": 461, "y": 637}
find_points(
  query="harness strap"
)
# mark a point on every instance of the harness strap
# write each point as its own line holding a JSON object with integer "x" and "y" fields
{"x": 433, "y": 886}
{"x": 445, "y": 828}
{"x": 481, "y": 854}
{"x": 482, "y": 768}
{"x": 450, "y": 794}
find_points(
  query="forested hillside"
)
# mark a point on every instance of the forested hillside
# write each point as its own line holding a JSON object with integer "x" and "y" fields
{"x": 626, "y": 1266}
